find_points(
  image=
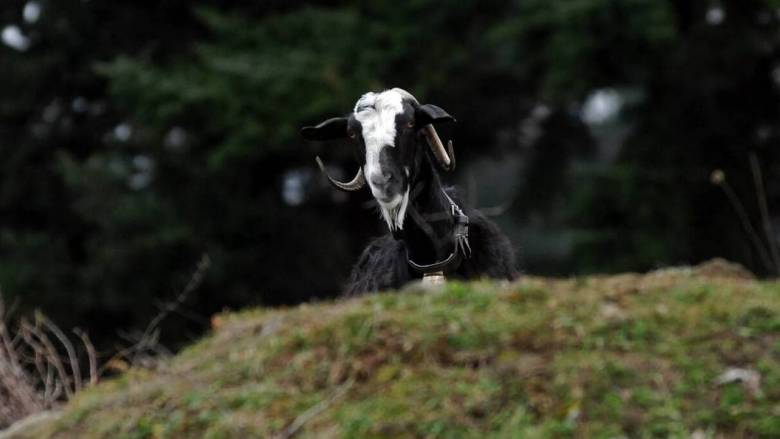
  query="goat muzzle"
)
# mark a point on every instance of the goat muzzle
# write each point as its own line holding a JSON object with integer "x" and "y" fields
{"x": 358, "y": 182}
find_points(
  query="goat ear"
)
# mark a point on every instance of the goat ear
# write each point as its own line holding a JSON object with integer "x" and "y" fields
{"x": 335, "y": 128}
{"x": 430, "y": 113}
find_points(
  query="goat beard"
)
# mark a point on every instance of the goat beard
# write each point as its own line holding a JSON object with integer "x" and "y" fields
{"x": 394, "y": 212}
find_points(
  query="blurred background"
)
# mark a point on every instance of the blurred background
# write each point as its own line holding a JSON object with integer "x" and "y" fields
{"x": 136, "y": 137}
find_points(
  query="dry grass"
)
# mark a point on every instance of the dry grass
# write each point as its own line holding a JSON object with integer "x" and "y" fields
{"x": 39, "y": 367}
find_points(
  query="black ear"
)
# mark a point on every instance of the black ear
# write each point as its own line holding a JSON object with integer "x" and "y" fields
{"x": 430, "y": 113}
{"x": 335, "y": 128}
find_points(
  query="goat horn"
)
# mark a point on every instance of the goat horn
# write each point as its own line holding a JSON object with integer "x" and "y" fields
{"x": 451, "y": 153}
{"x": 358, "y": 182}
{"x": 437, "y": 147}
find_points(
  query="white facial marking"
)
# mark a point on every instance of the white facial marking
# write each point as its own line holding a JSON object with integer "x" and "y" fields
{"x": 376, "y": 113}
{"x": 394, "y": 212}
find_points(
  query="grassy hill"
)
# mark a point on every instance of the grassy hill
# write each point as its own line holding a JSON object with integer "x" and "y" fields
{"x": 655, "y": 355}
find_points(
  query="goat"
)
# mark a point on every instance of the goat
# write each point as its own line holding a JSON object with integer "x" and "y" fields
{"x": 431, "y": 232}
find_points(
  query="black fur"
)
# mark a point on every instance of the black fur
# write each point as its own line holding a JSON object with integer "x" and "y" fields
{"x": 427, "y": 235}
{"x": 383, "y": 264}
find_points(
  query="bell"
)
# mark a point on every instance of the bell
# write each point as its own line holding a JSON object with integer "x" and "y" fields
{"x": 434, "y": 278}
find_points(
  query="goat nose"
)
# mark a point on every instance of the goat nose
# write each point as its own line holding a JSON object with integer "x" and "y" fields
{"x": 379, "y": 179}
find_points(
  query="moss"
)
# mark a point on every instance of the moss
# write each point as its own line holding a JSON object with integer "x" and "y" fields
{"x": 618, "y": 356}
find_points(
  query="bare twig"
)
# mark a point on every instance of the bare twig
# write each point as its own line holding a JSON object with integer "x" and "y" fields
{"x": 148, "y": 340}
{"x": 771, "y": 238}
{"x": 192, "y": 285}
{"x": 718, "y": 178}
{"x": 497, "y": 210}
{"x": 43, "y": 372}
{"x": 91, "y": 355}
{"x": 8, "y": 351}
{"x": 33, "y": 375}
{"x": 18, "y": 397}
{"x": 472, "y": 194}
{"x": 72, "y": 359}
{"x": 315, "y": 410}
{"x": 46, "y": 347}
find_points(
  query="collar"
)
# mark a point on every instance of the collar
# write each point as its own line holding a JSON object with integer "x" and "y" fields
{"x": 460, "y": 236}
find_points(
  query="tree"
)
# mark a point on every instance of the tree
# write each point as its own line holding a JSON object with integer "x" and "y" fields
{"x": 136, "y": 138}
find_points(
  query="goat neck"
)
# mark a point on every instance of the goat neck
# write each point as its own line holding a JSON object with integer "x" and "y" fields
{"x": 428, "y": 224}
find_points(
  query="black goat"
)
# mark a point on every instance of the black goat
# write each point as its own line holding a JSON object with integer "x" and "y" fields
{"x": 430, "y": 230}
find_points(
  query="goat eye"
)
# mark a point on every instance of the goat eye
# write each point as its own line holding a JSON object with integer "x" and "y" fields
{"x": 351, "y": 134}
{"x": 410, "y": 124}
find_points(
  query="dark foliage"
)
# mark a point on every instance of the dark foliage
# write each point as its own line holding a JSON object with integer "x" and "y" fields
{"x": 136, "y": 136}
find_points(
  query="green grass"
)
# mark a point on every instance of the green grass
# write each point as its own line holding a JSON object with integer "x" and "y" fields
{"x": 621, "y": 356}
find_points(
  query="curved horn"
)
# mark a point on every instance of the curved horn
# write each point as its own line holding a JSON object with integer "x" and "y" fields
{"x": 452, "y": 155}
{"x": 438, "y": 148}
{"x": 358, "y": 182}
